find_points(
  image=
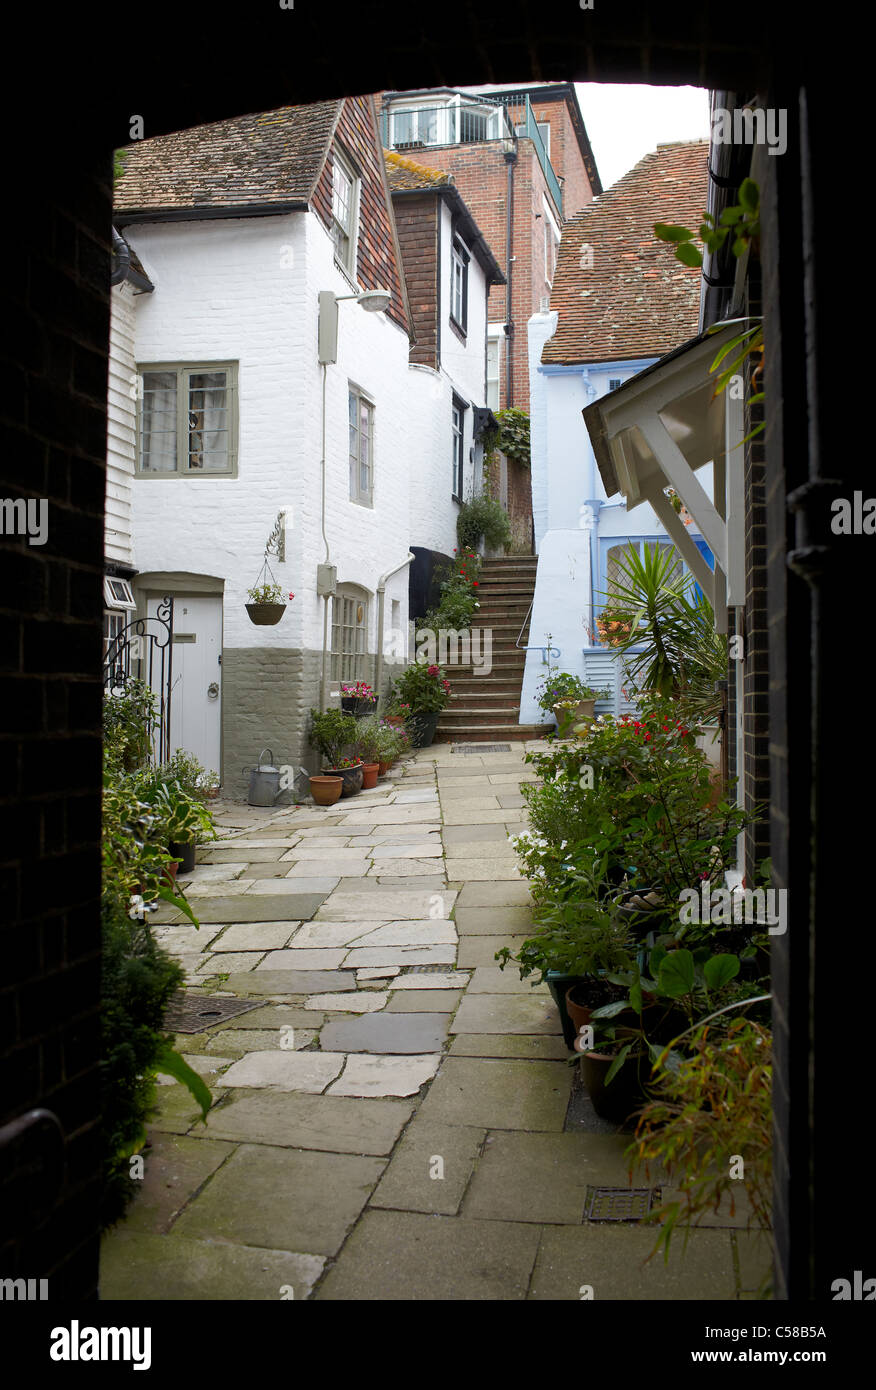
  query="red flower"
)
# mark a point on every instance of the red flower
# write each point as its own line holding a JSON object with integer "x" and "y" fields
{"x": 432, "y": 671}
{"x": 291, "y": 595}
{"x": 475, "y": 583}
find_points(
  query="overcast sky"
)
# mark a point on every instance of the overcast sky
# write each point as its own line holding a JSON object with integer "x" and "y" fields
{"x": 625, "y": 123}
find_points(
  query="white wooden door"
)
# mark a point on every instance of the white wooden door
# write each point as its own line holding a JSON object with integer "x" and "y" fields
{"x": 196, "y": 682}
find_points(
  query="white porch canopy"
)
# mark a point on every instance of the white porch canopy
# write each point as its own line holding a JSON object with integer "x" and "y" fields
{"x": 658, "y": 430}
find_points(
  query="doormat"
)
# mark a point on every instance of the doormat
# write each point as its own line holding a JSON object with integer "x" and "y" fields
{"x": 480, "y": 748}
{"x": 194, "y": 1013}
{"x": 620, "y": 1203}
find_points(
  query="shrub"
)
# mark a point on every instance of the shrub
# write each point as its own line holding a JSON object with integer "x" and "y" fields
{"x": 458, "y": 602}
{"x": 138, "y": 979}
{"x": 425, "y": 688}
{"x": 483, "y": 517}
{"x": 330, "y": 733}
{"x": 129, "y": 717}
{"x": 194, "y": 779}
{"x": 367, "y": 743}
{"x": 560, "y": 685}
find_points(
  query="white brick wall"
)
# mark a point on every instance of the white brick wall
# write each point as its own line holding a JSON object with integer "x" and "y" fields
{"x": 246, "y": 290}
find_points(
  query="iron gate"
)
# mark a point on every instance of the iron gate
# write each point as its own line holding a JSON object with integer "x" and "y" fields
{"x": 143, "y": 649}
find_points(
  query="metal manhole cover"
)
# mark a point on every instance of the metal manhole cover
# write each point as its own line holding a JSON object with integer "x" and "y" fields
{"x": 620, "y": 1203}
{"x": 480, "y": 748}
{"x": 193, "y": 1013}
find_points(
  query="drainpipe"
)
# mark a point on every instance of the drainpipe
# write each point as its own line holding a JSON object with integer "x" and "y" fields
{"x": 381, "y": 594}
{"x": 510, "y": 160}
{"x": 123, "y": 251}
{"x": 325, "y": 597}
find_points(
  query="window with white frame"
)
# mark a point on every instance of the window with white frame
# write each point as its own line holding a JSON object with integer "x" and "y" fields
{"x": 494, "y": 366}
{"x": 187, "y": 419}
{"x": 459, "y": 259}
{"x": 345, "y": 212}
{"x": 458, "y": 433}
{"x": 361, "y": 421}
{"x": 544, "y": 131}
{"x": 349, "y": 634}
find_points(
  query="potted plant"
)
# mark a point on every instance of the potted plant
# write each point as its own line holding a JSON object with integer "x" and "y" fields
{"x": 358, "y": 699}
{"x": 398, "y": 712}
{"x": 393, "y": 741}
{"x": 569, "y": 699}
{"x": 180, "y": 819}
{"x": 331, "y": 733}
{"x": 427, "y": 691}
{"x": 326, "y": 790}
{"x": 267, "y": 604}
{"x": 367, "y": 746}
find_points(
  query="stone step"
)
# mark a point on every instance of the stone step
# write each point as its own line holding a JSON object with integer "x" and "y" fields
{"x": 484, "y": 687}
{"x": 454, "y": 719}
{"x": 491, "y": 733}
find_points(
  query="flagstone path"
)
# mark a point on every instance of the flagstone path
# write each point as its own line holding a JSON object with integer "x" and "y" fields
{"x": 393, "y": 1120}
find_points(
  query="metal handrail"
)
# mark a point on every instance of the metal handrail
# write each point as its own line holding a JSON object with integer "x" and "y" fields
{"x": 525, "y": 621}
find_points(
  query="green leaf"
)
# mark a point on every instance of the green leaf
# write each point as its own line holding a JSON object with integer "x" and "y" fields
{"x": 749, "y": 195}
{"x": 676, "y": 974}
{"x": 609, "y": 1010}
{"x": 730, "y": 216}
{"x": 688, "y": 255}
{"x": 636, "y": 996}
{"x": 617, "y": 1063}
{"x": 170, "y": 1063}
{"x": 720, "y": 970}
{"x": 178, "y": 901}
{"x": 668, "y": 231}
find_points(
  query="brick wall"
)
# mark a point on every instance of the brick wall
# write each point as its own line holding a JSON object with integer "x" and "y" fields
{"x": 55, "y": 316}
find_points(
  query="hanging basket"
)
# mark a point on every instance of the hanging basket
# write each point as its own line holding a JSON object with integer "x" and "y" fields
{"x": 265, "y": 614}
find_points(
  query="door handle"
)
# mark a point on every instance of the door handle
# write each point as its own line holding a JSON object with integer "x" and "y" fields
{"x": 213, "y": 689}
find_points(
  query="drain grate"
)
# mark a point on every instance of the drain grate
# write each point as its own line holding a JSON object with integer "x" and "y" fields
{"x": 620, "y": 1203}
{"x": 430, "y": 969}
{"x": 480, "y": 748}
{"x": 193, "y": 1013}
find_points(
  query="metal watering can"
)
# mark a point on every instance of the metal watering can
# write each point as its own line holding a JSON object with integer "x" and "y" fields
{"x": 264, "y": 781}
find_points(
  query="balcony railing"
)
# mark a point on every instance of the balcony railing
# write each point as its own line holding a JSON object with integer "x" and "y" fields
{"x": 497, "y": 117}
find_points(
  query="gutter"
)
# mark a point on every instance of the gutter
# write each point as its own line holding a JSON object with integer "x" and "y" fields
{"x": 510, "y": 160}
{"x": 208, "y": 214}
{"x": 125, "y": 271}
{"x": 728, "y": 165}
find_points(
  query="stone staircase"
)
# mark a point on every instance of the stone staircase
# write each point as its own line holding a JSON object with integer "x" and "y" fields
{"x": 485, "y": 709}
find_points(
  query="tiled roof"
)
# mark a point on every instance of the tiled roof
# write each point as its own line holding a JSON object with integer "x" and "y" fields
{"x": 269, "y": 158}
{"x": 633, "y": 299}
{"x": 404, "y": 173}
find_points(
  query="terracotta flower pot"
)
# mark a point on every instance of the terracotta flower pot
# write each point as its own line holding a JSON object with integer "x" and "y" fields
{"x": 369, "y": 775}
{"x": 383, "y": 768}
{"x": 326, "y": 790}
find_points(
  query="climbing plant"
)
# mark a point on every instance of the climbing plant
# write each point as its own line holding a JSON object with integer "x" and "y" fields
{"x": 511, "y": 438}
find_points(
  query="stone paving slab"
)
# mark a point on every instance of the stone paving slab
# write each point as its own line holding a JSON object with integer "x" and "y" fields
{"x": 455, "y": 835}
{"x": 403, "y": 868}
{"x": 303, "y": 960}
{"x": 452, "y": 979}
{"x": 402, "y": 1256}
{"x": 286, "y": 1070}
{"x": 347, "y": 861}
{"x": 412, "y": 849}
{"x": 495, "y": 851}
{"x": 275, "y": 1016}
{"x": 486, "y": 921}
{"x": 505, "y": 894}
{"x": 611, "y": 1261}
{"x": 393, "y": 1033}
{"x": 543, "y": 1046}
{"x": 481, "y": 950}
{"x": 263, "y": 908}
{"x": 187, "y": 939}
{"x": 543, "y": 1177}
{"x": 270, "y": 982}
{"x": 327, "y": 934}
{"x": 224, "y": 962}
{"x": 330, "y": 1124}
{"x": 431, "y": 931}
{"x": 499, "y": 1094}
{"x": 137, "y": 1267}
{"x": 401, "y": 955}
{"x": 393, "y": 815}
{"x": 507, "y": 1013}
{"x": 414, "y": 1181}
{"x": 322, "y": 1194}
{"x": 255, "y": 854}
{"x": 176, "y": 1112}
{"x": 412, "y": 1001}
{"x": 494, "y": 870}
{"x": 485, "y": 817}
{"x": 428, "y": 883}
{"x": 368, "y": 1075}
{"x": 457, "y": 797}
{"x": 213, "y": 873}
{"x": 302, "y": 884}
{"x": 236, "y": 1042}
{"x": 176, "y": 1166}
{"x": 256, "y": 936}
{"x": 362, "y": 1002}
{"x": 386, "y": 906}
{"x": 490, "y": 979}
{"x": 755, "y": 1256}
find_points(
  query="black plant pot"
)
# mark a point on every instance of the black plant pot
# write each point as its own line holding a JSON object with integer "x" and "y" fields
{"x": 558, "y": 985}
{"x": 185, "y": 852}
{"x": 351, "y": 777}
{"x": 265, "y": 614}
{"x": 625, "y": 1093}
{"x": 350, "y": 704}
{"x": 421, "y": 728}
